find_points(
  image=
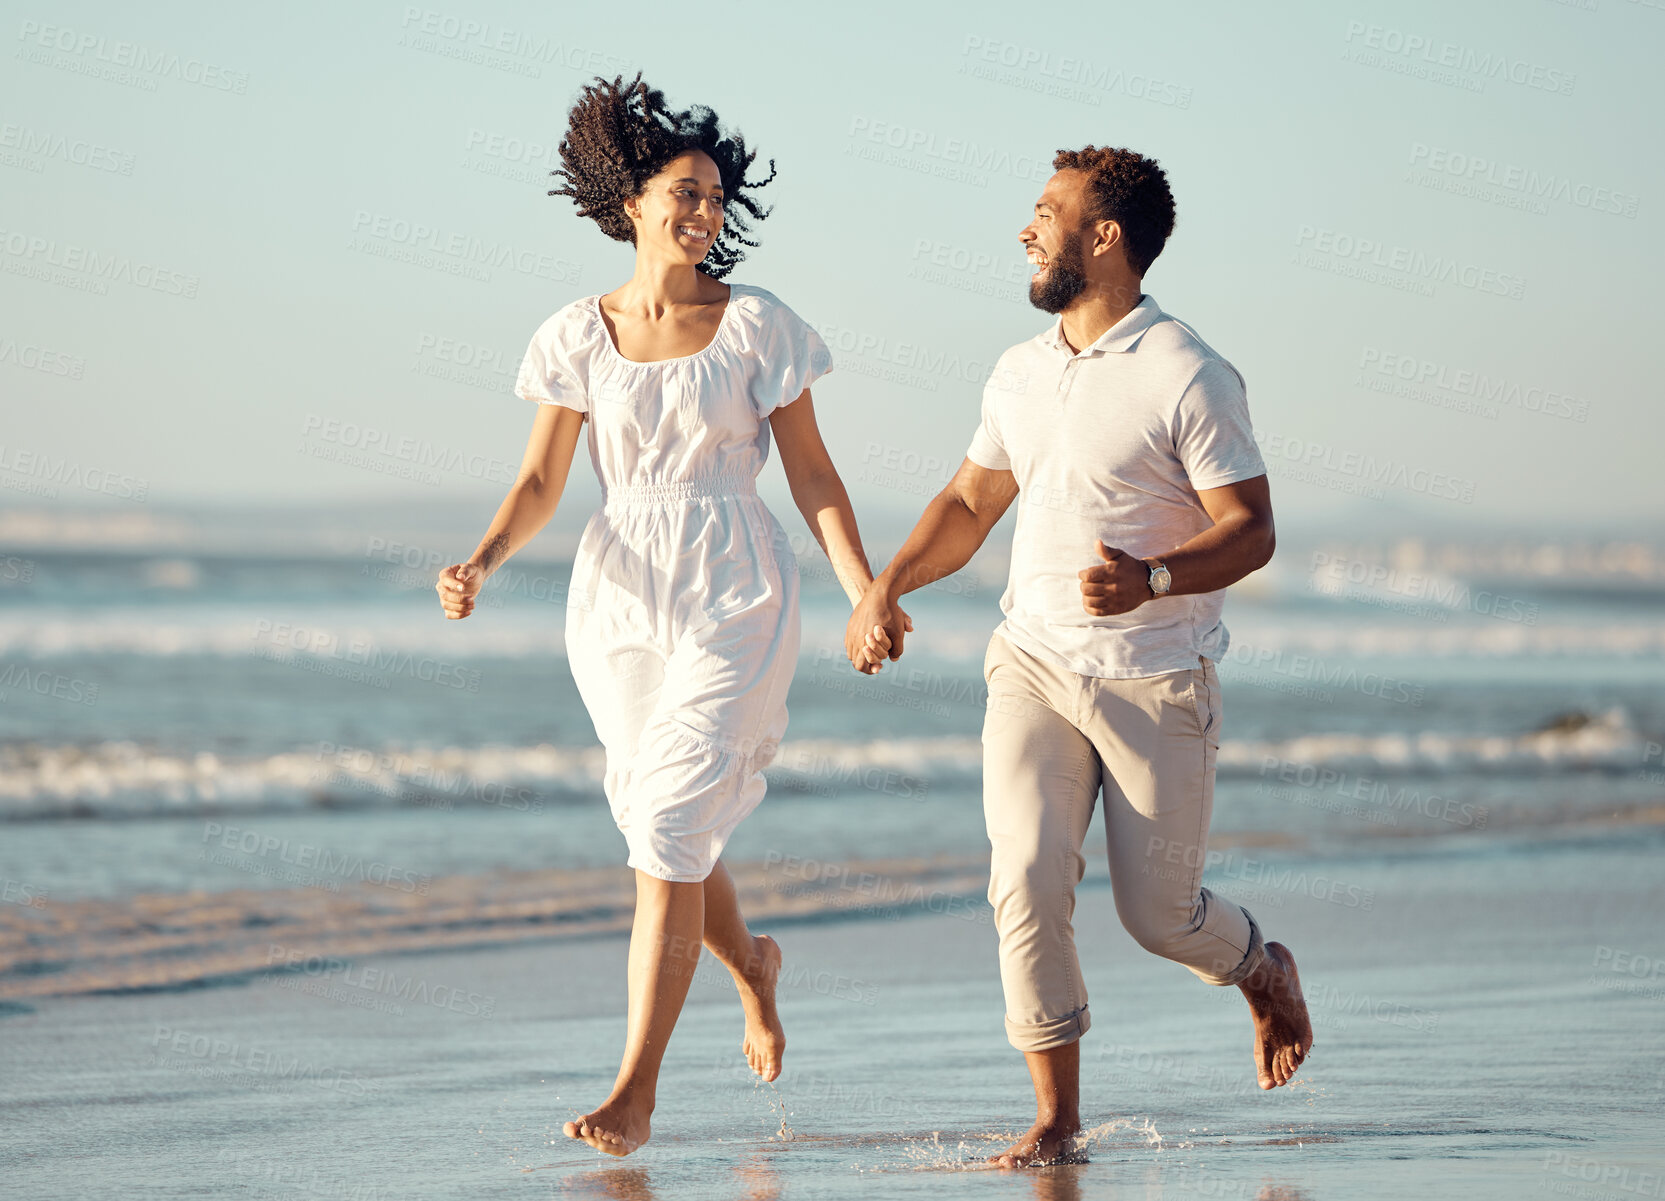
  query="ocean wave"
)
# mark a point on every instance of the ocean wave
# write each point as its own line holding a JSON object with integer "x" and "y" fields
{"x": 960, "y": 637}
{"x": 1576, "y": 741}
{"x": 308, "y": 934}
{"x": 122, "y": 778}
{"x": 490, "y": 633}
{"x": 125, "y": 779}
{"x": 238, "y": 634}
{"x": 116, "y": 779}
{"x": 1476, "y": 639}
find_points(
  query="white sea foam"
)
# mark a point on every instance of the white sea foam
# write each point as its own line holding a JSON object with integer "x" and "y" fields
{"x": 235, "y": 630}
{"x": 238, "y": 632}
{"x": 1608, "y": 740}
{"x": 123, "y": 778}
{"x": 1476, "y": 639}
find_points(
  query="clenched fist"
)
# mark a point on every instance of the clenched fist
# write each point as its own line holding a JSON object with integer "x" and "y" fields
{"x": 458, "y": 585}
{"x": 1120, "y": 584}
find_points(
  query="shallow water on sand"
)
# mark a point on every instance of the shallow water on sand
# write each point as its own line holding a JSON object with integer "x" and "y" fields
{"x": 1481, "y": 1030}
{"x": 1455, "y": 820}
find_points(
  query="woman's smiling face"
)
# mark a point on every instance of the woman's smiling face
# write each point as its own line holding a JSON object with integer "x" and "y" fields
{"x": 680, "y": 210}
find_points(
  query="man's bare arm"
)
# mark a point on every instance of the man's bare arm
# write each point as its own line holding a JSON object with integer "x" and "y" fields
{"x": 952, "y": 528}
{"x": 1240, "y": 541}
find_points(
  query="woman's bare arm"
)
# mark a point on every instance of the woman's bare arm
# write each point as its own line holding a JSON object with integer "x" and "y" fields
{"x": 527, "y": 509}
{"x": 819, "y": 493}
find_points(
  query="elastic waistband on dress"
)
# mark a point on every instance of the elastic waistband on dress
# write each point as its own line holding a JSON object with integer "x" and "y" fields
{"x": 681, "y": 491}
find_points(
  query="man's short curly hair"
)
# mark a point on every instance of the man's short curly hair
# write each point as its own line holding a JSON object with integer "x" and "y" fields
{"x": 620, "y": 135}
{"x": 1129, "y": 189}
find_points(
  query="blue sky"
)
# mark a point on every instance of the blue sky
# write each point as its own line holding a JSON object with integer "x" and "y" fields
{"x": 1426, "y": 234}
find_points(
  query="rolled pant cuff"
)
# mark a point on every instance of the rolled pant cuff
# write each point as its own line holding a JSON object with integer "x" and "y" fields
{"x": 1252, "y": 958}
{"x": 1044, "y": 1036}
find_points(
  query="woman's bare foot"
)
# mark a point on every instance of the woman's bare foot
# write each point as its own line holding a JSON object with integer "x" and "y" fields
{"x": 1045, "y": 1143}
{"x": 765, "y": 1041}
{"x": 1283, "y": 1031}
{"x": 618, "y": 1127}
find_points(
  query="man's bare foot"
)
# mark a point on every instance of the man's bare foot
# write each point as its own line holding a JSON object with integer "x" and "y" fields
{"x": 1045, "y": 1143}
{"x": 765, "y": 1041}
{"x": 618, "y": 1127}
{"x": 1283, "y": 1031}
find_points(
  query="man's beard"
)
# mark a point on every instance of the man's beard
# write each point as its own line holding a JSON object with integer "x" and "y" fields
{"x": 1064, "y": 279}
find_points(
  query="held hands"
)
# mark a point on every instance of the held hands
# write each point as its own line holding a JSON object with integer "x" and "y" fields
{"x": 1120, "y": 584}
{"x": 458, "y": 585}
{"x": 875, "y": 630}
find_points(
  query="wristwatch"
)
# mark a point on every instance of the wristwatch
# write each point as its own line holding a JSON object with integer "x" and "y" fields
{"x": 1160, "y": 580}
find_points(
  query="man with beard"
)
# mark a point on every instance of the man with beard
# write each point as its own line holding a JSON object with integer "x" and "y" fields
{"x": 1126, "y": 441}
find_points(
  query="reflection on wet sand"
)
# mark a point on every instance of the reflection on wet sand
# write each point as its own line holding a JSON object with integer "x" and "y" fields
{"x": 754, "y": 1180}
{"x": 1060, "y": 1183}
{"x": 619, "y": 1184}
{"x": 758, "y": 1179}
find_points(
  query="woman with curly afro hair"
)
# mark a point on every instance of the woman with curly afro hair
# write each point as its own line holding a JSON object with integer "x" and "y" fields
{"x": 682, "y": 618}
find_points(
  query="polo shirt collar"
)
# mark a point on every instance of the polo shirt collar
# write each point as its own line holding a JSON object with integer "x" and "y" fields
{"x": 1120, "y": 337}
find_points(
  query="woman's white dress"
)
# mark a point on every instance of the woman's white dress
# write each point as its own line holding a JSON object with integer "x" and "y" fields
{"x": 682, "y": 617}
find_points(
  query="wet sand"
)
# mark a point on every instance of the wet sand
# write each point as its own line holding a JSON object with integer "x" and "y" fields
{"x": 1488, "y": 1025}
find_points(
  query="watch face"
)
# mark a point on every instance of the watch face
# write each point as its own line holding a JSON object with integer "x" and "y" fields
{"x": 1160, "y": 581}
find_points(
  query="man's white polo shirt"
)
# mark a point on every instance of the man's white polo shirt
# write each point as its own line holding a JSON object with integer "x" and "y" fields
{"x": 1113, "y": 442}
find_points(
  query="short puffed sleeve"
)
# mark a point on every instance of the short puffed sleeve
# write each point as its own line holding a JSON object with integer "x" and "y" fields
{"x": 548, "y": 373}
{"x": 791, "y": 356}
